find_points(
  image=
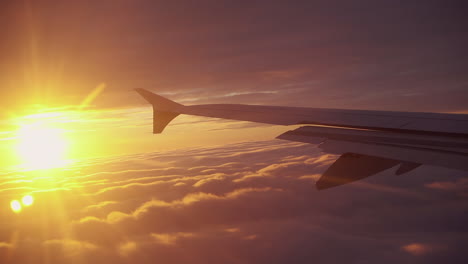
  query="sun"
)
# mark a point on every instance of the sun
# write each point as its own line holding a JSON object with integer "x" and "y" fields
{"x": 41, "y": 147}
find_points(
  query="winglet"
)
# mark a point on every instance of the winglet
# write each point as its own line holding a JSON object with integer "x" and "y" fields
{"x": 164, "y": 110}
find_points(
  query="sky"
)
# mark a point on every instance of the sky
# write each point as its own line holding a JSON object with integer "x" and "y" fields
{"x": 76, "y": 137}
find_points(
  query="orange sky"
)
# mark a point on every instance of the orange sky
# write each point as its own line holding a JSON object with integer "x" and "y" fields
{"x": 83, "y": 179}
{"x": 95, "y": 133}
{"x": 90, "y": 56}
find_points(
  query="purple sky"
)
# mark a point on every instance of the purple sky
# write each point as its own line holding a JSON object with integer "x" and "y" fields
{"x": 393, "y": 55}
{"x": 249, "y": 202}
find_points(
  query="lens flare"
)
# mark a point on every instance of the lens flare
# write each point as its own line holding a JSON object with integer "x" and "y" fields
{"x": 27, "y": 200}
{"x": 15, "y": 206}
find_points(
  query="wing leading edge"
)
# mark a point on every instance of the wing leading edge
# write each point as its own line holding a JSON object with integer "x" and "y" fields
{"x": 368, "y": 141}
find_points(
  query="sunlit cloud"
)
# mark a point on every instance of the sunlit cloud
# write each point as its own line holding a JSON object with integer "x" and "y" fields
{"x": 5, "y": 245}
{"x": 170, "y": 238}
{"x": 123, "y": 207}
{"x": 71, "y": 248}
{"x": 420, "y": 249}
{"x": 127, "y": 248}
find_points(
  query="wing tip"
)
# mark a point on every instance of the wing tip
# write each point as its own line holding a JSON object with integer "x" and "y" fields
{"x": 164, "y": 110}
{"x": 159, "y": 102}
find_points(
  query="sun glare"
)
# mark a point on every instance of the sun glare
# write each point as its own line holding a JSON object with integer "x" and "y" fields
{"x": 41, "y": 147}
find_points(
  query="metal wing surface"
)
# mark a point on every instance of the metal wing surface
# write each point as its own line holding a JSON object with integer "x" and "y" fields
{"x": 368, "y": 141}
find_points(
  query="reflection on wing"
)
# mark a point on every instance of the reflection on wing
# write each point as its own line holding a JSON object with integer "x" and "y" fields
{"x": 368, "y": 141}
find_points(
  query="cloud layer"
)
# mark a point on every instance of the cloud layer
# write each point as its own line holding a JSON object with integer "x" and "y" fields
{"x": 251, "y": 202}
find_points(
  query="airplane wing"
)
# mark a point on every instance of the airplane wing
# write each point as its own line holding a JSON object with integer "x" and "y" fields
{"x": 368, "y": 141}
